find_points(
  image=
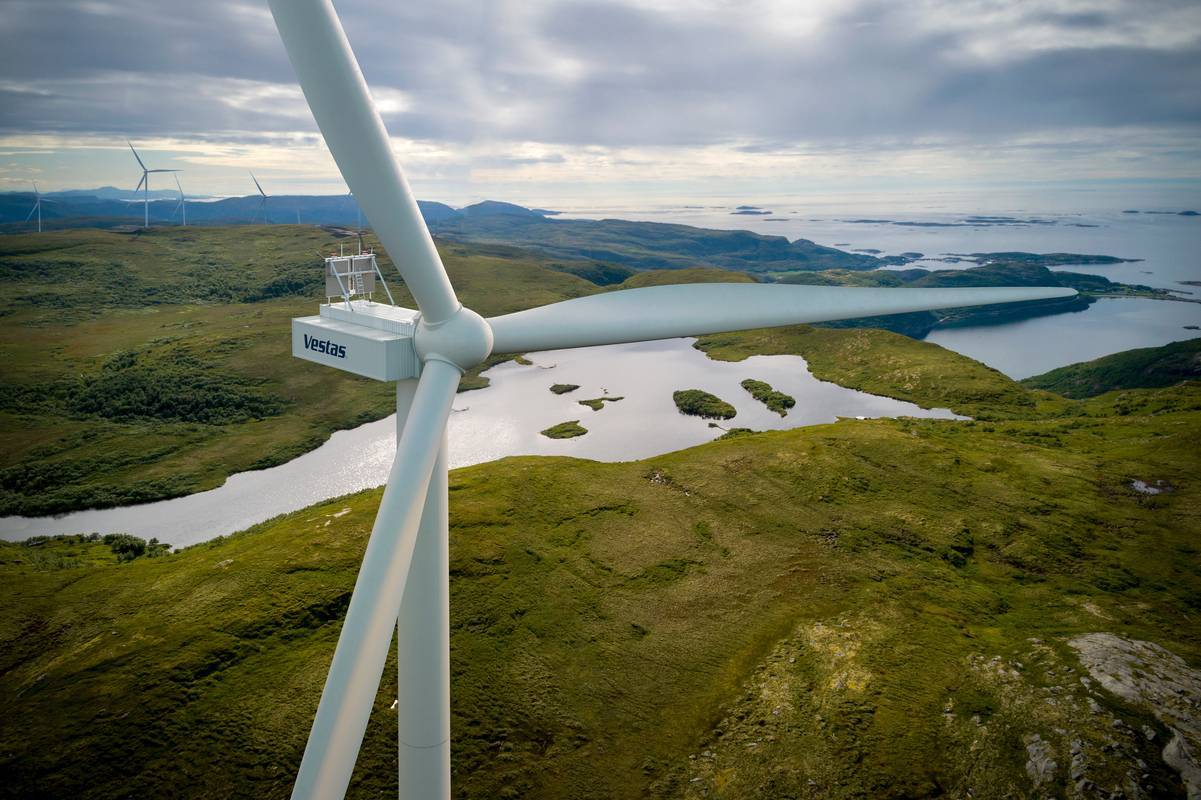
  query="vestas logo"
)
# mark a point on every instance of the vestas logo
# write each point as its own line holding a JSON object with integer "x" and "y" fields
{"x": 324, "y": 346}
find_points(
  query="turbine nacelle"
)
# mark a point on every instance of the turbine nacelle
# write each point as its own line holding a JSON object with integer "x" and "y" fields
{"x": 389, "y": 343}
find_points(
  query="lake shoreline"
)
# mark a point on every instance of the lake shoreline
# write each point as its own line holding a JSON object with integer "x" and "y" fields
{"x": 644, "y": 424}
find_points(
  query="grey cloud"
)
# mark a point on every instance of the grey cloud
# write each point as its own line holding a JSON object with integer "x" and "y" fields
{"x": 75, "y": 39}
{"x": 589, "y": 72}
{"x": 856, "y": 80}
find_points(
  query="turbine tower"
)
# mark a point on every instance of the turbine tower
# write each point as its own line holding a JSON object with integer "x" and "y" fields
{"x": 37, "y": 206}
{"x": 262, "y": 211}
{"x": 145, "y": 182}
{"x": 403, "y": 581}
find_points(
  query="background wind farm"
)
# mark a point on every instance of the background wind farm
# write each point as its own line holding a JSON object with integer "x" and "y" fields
{"x": 942, "y": 553}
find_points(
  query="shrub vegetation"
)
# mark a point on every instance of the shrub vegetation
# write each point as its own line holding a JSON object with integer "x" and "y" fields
{"x": 775, "y": 401}
{"x": 697, "y": 403}
{"x": 565, "y": 430}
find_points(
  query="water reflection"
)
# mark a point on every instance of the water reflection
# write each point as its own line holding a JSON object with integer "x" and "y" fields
{"x": 1110, "y": 325}
{"x": 503, "y": 420}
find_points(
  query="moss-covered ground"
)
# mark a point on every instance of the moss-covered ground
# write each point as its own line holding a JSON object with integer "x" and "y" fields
{"x": 136, "y": 367}
{"x": 873, "y": 608}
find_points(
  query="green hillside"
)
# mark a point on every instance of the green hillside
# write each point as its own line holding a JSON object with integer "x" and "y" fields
{"x": 646, "y": 245}
{"x": 140, "y": 366}
{"x": 1146, "y": 367}
{"x": 866, "y": 609}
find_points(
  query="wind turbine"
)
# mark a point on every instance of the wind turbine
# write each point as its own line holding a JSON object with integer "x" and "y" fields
{"x": 262, "y": 198}
{"x": 403, "y": 580}
{"x": 181, "y": 205}
{"x": 145, "y": 182}
{"x": 37, "y": 206}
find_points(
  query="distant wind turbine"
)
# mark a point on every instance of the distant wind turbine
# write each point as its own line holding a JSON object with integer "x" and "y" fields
{"x": 403, "y": 583}
{"x": 262, "y": 212}
{"x": 37, "y": 206}
{"x": 182, "y": 206}
{"x": 145, "y": 182}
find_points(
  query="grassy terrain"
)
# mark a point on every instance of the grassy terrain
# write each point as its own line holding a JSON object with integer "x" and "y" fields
{"x": 697, "y": 403}
{"x": 565, "y": 430}
{"x": 1143, "y": 368}
{"x": 892, "y": 365}
{"x": 666, "y": 277}
{"x": 563, "y": 388}
{"x": 775, "y": 401}
{"x": 137, "y": 367}
{"x": 865, "y": 609}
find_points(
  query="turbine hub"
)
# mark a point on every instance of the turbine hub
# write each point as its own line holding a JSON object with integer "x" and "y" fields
{"x": 463, "y": 340}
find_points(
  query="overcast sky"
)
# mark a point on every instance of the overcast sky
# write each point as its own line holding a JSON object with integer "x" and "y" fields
{"x": 620, "y": 101}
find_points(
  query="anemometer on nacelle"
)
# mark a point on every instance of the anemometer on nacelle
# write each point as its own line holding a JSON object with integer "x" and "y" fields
{"x": 353, "y": 332}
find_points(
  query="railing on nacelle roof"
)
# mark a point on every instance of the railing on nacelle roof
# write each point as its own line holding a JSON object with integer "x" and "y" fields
{"x": 354, "y": 275}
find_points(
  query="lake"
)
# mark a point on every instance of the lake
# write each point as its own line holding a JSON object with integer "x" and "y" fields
{"x": 505, "y": 419}
{"x": 1168, "y": 245}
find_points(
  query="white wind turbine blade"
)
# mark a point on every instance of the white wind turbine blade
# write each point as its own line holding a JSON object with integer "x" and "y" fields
{"x": 37, "y": 202}
{"x": 135, "y": 154}
{"x": 262, "y": 212}
{"x": 664, "y": 312}
{"x": 366, "y": 636}
{"x": 342, "y": 105}
{"x": 139, "y": 186}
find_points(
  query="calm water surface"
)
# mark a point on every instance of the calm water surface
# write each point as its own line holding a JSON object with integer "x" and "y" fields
{"x": 1110, "y": 325}
{"x": 505, "y": 420}
{"x": 1168, "y": 245}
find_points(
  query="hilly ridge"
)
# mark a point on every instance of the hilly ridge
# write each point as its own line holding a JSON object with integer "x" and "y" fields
{"x": 146, "y": 365}
{"x": 1146, "y": 367}
{"x": 635, "y": 245}
{"x": 891, "y": 608}
{"x": 139, "y": 367}
{"x": 871, "y": 608}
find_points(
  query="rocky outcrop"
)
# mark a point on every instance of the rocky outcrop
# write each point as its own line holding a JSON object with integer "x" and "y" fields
{"x": 1150, "y": 676}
